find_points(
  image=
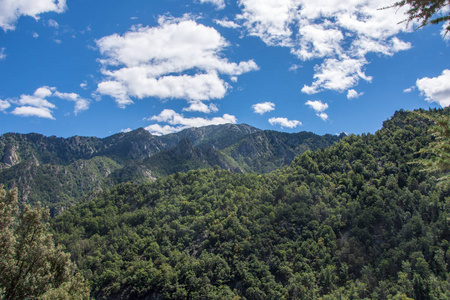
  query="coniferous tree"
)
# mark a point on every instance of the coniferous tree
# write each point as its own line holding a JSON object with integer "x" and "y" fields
{"x": 439, "y": 150}
{"x": 427, "y": 11}
{"x": 31, "y": 266}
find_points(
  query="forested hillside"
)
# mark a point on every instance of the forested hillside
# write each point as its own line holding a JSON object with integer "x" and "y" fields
{"x": 352, "y": 221}
{"x": 57, "y": 172}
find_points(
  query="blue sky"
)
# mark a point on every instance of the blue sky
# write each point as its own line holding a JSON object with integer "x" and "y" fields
{"x": 95, "y": 68}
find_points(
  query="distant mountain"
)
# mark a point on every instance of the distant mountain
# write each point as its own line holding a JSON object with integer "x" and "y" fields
{"x": 58, "y": 171}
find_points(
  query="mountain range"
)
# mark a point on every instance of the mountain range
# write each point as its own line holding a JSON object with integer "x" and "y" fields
{"x": 59, "y": 171}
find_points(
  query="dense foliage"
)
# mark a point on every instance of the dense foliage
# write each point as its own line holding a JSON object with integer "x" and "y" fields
{"x": 352, "y": 221}
{"x": 31, "y": 267}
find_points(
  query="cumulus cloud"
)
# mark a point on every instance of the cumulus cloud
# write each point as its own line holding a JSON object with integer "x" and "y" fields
{"x": 352, "y": 94}
{"x": 157, "y": 129}
{"x": 220, "y": 4}
{"x": 337, "y": 74}
{"x": 4, "y": 104}
{"x": 323, "y": 116}
{"x": 436, "y": 89}
{"x": 115, "y": 90}
{"x": 12, "y": 10}
{"x": 126, "y": 130}
{"x": 173, "y": 118}
{"x": 269, "y": 19}
{"x": 31, "y": 111}
{"x": 179, "y": 58}
{"x": 317, "y": 41}
{"x": 339, "y": 33}
{"x": 81, "y": 104}
{"x": 262, "y": 108}
{"x": 284, "y": 122}
{"x": 179, "y": 122}
{"x": 37, "y": 100}
{"x": 38, "y": 104}
{"x": 201, "y": 107}
{"x": 319, "y": 108}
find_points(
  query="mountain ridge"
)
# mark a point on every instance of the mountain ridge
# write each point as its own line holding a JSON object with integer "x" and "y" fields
{"x": 62, "y": 170}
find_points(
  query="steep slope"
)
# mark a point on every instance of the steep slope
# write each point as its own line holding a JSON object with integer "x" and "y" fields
{"x": 185, "y": 157}
{"x": 266, "y": 151}
{"x": 356, "y": 220}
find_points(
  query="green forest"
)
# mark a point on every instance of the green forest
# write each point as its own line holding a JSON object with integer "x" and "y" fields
{"x": 361, "y": 219}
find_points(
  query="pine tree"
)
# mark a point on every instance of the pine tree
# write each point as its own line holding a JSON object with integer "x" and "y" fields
{"x": 31, "y": 266}
{"x": 426, "y": 11}
{"x": 439, "y": 150}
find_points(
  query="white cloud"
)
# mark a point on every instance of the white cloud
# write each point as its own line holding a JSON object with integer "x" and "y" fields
{"x": 30, "y": 111}
{"x": 153, "y": 62}
{"x": 35, "y": 35}
{"x": 115, "y": 90}
{"x": 220, "y": 4}
{"x": 319, "y": 108}
{"x": 38, "y": 104}
{"x": 44, "y": 91}
{"x": 284, "y": 122}
{"x": 352, "y": 94}
{"x": 12, "y": 10}
{"x": 409, "y": 90}
{"x": 269, "y": 19}
{"x": 317, "y": 41}
{"x": 83, "y": 85}
{"x": 323, "y": 116}
{"x": 262, "y": 108}
{"x": 2, "y": 53}
{"x": 157, "y": 129}
{"x": 53, "y": 23}
{"x": 436, "y": 89}
{"x": 227, "y": 23}
{"x": 337, "y": 74}
{"x": 317, "y": 105}
{"x": 201, "y": 107}
{"x": 173, "y": 118}
{"x": 35, "y": 101}
{"x": 81, "y": 104}
{"x": 4, "y": 104}
{"x": 126, "y": 130}
{"x": 339, "y": 32}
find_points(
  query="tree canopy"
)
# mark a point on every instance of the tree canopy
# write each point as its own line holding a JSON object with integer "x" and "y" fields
{"x": 352, "y": 221}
